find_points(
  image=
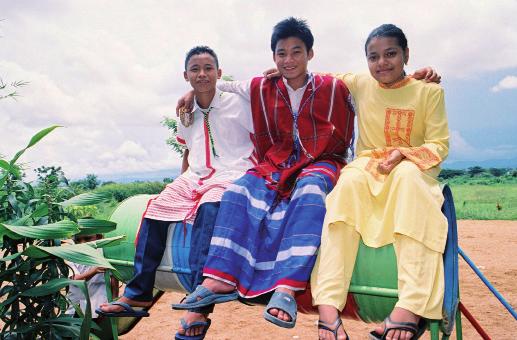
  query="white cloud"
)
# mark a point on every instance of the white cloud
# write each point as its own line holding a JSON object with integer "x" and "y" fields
{"x": 460, "y": 149}
{"x": 507, "y": 83}
{"x": 131, "y": 149}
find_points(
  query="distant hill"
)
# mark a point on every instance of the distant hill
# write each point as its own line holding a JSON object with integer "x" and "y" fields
{"x": 493, "y": 163}
{"x": 158, "y": 175}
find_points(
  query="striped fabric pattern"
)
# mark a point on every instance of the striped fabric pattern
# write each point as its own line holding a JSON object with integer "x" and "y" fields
{"x": 262, "y": 241}
{"x": 180, "y": 199}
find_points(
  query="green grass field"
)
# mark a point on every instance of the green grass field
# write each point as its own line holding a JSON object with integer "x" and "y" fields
{"x": 480, "y": 202}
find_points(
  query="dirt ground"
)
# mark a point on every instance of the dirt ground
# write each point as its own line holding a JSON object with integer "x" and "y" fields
{"x": 492, "y": 245}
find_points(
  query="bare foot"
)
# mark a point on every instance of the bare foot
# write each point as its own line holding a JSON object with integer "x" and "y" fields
{"x": 329, "y": 316}
{"x": 217, "y": 286}
{"x": 280, "y": 314}
{"x": 191, "y": 317}
{"x": 106, "y": 307}
{"x": 399, "y": 315}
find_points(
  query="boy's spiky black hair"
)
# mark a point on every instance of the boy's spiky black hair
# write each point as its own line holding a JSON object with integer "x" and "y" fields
{"x": 292, "y": 27}
{"x": 200, "y": 50}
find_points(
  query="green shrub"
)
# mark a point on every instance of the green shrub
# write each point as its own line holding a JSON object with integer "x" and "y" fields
{"x": 121, "y": 191}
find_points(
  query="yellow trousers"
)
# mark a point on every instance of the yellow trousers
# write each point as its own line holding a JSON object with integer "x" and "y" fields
{"x": 420, "y": 271}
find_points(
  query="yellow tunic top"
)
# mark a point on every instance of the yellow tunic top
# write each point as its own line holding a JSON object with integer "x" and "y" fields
{"x": 409, "y": 116}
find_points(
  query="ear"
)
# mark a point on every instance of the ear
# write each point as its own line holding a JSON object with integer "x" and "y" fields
{"x": 310, "y": 54}
{"x": 219, "y": 73}
{"x": 185, "y": 75}
{"x": 406, "y": 55}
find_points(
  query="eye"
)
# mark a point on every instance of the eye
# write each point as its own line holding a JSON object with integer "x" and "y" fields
{"x": 194, "y": 69}
{"x": 391, "y": 54}
{"x": 372, "y": 58}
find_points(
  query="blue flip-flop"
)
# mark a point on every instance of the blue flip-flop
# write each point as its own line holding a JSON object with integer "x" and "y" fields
{"x": 202, "y": 297}
{"x": 128, "y": 311}
{"x": 287, "y": 304}
{"x": 205, "y": 324}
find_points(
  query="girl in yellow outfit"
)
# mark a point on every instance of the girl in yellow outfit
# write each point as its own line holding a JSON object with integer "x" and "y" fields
{"x": 389, "y": 194}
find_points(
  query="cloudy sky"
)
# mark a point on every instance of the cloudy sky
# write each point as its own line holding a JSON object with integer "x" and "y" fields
{"x": 110, "y": 71}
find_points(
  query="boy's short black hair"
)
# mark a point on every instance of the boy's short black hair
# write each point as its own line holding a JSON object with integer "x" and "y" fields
{"x": 387, "y": 31}
{"x": 200, "y": 50}
{"x": 292, "y": 27}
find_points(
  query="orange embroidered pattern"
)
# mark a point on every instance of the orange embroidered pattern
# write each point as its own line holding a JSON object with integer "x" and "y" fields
{"x": 397, "y": 127}
{"x": 377, "y": 157}
{"x": 422, "y": 157}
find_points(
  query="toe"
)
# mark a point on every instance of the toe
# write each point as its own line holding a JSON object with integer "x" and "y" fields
{"x": 274, "y": 312}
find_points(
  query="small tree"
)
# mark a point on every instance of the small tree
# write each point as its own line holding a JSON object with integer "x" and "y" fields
{"x": 91, "y": 181}
{"x": 450, "y": 173}
{"x": 475, "y": 171}
{"x": 498, "y": 172}
{"x": 172, "y": 125}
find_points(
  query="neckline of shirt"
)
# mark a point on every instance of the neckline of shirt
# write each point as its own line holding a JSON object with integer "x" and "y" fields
{"x": 213, "y": 104}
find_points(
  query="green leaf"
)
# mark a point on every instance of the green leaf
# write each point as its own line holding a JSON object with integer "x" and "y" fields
{"x": 78, "y": 253}
{"x": 90, "y": 226}
{"x": 106, "y": 242}
{"x": 3, "y": 179}
{"x": 49, "y": 287}
{"x": 36, "y": 138}
{"x": 56, "y": 285}
{"x": 58, "y": 230}
{"x": 88, "y": 198}
{"x": 5, "y": 165}
{"x": 15, "y": 170}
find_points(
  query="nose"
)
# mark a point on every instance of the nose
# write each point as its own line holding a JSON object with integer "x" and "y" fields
{"x": 202, "y": 73}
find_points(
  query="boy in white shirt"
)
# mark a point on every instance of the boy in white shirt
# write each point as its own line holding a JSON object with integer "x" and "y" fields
{"x": 219, "y": 151}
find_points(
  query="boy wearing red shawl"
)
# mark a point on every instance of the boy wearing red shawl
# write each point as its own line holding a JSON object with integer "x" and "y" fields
{"x": 269, "y": 223}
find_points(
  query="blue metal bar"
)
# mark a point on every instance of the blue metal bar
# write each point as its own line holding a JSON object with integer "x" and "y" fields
{"x": 488, "y": 284}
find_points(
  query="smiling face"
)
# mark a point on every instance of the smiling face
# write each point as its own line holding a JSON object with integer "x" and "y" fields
{"x": 202, "y": 73}
{"x": 386, "y": 60}
{"x": 291, "y": 58}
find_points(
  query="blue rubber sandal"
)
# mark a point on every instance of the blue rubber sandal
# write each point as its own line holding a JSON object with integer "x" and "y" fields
{"x": 186, "y": 327}
{"x": 128, "y": 311}
{"x": 287, "y": 304}
{"x": 202, "y": 297}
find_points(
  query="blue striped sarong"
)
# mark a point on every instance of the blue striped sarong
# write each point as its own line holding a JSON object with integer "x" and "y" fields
{"x": 262, "y": 241}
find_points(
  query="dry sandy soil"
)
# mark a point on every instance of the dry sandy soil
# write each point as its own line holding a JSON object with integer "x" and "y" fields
{"x": 492, "y": 245}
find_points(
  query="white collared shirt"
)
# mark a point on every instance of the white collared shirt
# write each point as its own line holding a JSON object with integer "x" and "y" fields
{"x": 231, "y": 124}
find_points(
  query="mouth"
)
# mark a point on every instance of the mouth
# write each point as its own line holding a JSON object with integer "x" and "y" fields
{"x": 289, "y": 68}
{"x": 386, "y": 71}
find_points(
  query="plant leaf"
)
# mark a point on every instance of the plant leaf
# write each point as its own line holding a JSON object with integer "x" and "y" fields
{"x": 90, "y": 226}
{"x": 88, "y": 198}
{"x": 56, "y": 285}
{"x": 78, "y": 253}
{"x": 36, "y": 138}
{"x": 106, "y": 242}
{"x": 58, "y": 230}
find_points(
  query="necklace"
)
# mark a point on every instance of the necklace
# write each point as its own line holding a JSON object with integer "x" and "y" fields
{"x": 207, "y": 124}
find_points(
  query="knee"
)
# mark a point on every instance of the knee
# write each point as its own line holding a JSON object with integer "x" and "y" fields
{"x": 352, "y": 178}
{"x": 406, "y": 171}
